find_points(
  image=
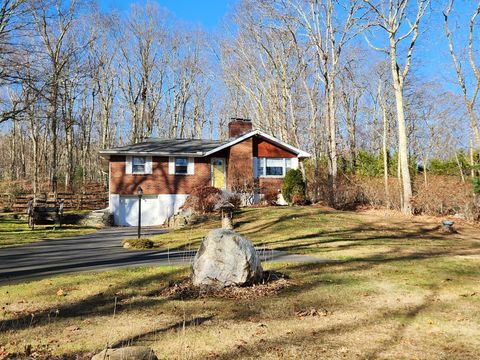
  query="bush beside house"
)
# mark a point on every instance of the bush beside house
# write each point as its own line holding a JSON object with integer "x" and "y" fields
{"x": 294, "y": 187}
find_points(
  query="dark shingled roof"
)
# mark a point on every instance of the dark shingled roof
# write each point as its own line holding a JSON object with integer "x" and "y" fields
{"x": 168, "y": 147}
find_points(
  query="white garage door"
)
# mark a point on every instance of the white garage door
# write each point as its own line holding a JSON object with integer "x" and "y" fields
{"x": 128, "y": 211}
{"x": 155, "y": 209}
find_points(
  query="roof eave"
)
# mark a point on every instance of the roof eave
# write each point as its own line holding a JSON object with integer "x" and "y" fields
{"x": 108, "y": 153}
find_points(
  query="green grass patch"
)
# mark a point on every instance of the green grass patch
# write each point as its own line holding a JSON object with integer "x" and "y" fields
{"x": 14, "y": 231}
{"x": 314, "y": 231}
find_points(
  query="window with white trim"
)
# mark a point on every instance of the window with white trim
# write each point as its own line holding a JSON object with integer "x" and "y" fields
{"x": 181, "y": 165}
{"x": 273, "y": 167}
{"x": 138, "y": 164}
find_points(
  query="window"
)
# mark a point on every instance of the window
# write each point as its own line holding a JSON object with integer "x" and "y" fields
{"x": 274, "y": 167}
{"x": 288, "y": 165}
{"x": 181, "y": 165}
{"x": 138, "y": 164}
{"x": 261, "y": 167}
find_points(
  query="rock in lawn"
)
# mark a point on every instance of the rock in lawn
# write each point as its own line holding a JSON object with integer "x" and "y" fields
{"x": 127, "y": 353}
{"x": 226, "y": 259}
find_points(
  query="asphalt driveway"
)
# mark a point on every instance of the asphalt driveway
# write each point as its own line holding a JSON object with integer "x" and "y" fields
{"x": 101, "y": 250}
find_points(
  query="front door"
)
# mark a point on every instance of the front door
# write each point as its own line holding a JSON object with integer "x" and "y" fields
{"x": 218, "y": 173}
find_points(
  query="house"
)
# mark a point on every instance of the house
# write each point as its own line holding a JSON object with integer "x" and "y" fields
{"x": 250, "y": 162}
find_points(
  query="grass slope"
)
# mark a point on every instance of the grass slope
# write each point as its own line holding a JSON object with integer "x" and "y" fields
{"x": 403, "y": 290}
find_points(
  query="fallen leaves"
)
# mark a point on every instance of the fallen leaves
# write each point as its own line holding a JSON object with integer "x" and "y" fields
{"x": 72, "y": 328}
{"x": 4, "y": 354}
{"x": 313, "y": 312}
{"x": 186, "y": 290}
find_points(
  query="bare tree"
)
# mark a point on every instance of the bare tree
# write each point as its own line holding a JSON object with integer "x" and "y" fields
{"x": 329, "y": 26}
{"x": 469, "y": 95}
{"x": 54, "y": 24}
{"x": 12, "y": 51}
{"x": 391, "y": 17}
{"x": 143, "y": 52}
{"x": 102, "y": 53}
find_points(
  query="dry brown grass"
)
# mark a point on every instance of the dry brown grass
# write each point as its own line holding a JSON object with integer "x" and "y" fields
{"x": 403, "y": 290}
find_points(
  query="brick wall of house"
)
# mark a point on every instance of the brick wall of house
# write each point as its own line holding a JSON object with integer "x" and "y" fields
{"x": 159, "y": 182}
{"x": 239, "y": 171}
{"x": 270, "y": 184}
{"x": 240, "y": 166}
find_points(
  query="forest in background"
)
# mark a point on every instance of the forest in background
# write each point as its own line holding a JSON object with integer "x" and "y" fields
{"x": 341, "y": 79}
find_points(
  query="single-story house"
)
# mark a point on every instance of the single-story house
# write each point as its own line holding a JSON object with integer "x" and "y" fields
{"x": 250, "y": 161}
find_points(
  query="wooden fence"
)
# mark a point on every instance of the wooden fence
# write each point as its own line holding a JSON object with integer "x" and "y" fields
{"x": 88, "y": 201}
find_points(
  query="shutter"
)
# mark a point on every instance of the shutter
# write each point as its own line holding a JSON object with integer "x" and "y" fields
{"x": 191, "y": 166}
{"x": 255, "y": 167}
{"x": 128, "y": 165}
{"x": 148, "y": 165}
{"x": 295, "y": 163}
{"x": 171, "y": 165}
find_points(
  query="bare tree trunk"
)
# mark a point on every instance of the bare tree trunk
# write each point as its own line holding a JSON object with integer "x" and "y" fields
{"x": 13, "y": 153}
{"x": 70, "y": 168}
{"x": 459, "y": 167}
{"x": 425, "y": 179}
{"x": 399, "y": 179}
{"x": 54, "y": 131}
{"x": 332, "y": 144}
{"x": 402, "y": 136}
{"x": 385, "y": 157}
{"x": 472, "y": 157}
{"x": 34, "y": 139}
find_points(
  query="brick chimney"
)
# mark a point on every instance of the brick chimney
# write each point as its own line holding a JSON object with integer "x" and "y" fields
{"x": 238, "y": 127}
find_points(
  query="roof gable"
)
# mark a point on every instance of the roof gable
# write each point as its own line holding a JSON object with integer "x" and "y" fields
{"x": 274, "y": 140}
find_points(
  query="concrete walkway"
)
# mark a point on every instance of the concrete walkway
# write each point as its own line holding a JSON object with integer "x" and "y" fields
{"x": 97, "y": 251}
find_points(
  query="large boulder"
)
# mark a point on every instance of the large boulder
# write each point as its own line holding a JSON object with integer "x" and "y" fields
{"x": 226, "y": 259}
{"x": 185, "y": 217}
{"x": 96, "y": 218}
{"x": 127, "y": 353}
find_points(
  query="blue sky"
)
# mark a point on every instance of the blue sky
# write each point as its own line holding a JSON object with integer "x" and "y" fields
{"x": 207, "y": 13}
{"x": 431, "y": 57}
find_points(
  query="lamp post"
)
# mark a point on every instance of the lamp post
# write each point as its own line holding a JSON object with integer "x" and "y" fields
{"x": 139, "y": 194}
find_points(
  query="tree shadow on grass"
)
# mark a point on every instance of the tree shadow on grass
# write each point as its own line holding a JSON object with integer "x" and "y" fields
{"x": 95, "y": 305}
{"x": 357, "y": 236}
{"x": 270, "y": 223}
{"x": 263, "y": 346}
{"x": 322, "y": 272}
{"x": 151, "y": 335}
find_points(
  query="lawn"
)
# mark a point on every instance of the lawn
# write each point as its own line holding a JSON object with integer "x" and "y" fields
{"x": 400, "y": 290}
{"x": 323, "y": 232}
{"x": 14, "y": 231}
